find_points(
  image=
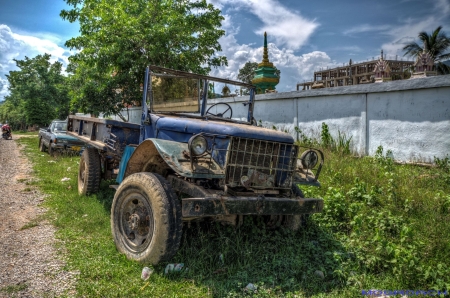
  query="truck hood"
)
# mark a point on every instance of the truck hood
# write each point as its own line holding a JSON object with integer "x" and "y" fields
{"x": 194, "y": 126}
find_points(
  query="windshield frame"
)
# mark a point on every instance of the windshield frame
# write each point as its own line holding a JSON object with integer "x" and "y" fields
{"x": 147, "y": 100}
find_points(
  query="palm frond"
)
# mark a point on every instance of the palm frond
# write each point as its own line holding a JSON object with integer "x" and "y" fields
{"x": 443, "y": 57}
{"x": 412, "y": 49}
{"x": 435, "y": 43}
{"x": 442, "y": 68}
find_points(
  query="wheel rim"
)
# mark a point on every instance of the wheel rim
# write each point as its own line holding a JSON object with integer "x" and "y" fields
{"x": 136, "y": 222}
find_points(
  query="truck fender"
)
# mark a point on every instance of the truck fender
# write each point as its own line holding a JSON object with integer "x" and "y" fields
{"x": 157, "y": 156}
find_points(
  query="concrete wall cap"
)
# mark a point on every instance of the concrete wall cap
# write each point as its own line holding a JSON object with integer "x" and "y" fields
{"x": 400, "y": 85}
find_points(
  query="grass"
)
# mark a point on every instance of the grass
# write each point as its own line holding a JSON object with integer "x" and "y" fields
{"x": 24, "y": 132}
{"x": 29, "y": 225}
{"x": 12, "y": 290}
{"x": 384, "y": 226}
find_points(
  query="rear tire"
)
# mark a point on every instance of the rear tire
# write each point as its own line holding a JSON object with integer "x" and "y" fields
{"x": 89, "y": 172}
{"x": 146, "y": 218}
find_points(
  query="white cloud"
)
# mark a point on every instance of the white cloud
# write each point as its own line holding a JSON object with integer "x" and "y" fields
{"x": 366, "y": 28}
{"x": 15, "y": 45}
{"x": 294, "y": 68}
{"x": 403, "y": 34}
{"x": 3, "y": 87}
{"x": 288, "y": 29}
{"x": 348, "y": 48}
{"x": 443, "y": 6}
{"x": 407, "y": 29}
{"x": 410, "y": 28}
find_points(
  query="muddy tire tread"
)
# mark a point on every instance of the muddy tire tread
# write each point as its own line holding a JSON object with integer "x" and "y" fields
{"x": 50, "y": 149}
{"x": 295, "y": 222}
{"x": 166, "y": 209}
{"x": 93, "y": 170}
{"x": 41, "y": 145}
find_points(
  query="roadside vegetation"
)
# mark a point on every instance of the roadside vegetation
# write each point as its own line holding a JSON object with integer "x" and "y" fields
{"x": 384, "y": 226}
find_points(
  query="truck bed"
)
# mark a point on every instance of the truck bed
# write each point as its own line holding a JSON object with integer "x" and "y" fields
{"x": 104, "y": 134}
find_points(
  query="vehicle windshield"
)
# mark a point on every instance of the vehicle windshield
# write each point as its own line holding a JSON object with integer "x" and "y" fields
{"x": 175, "y": 94}
{"x": 59, "y": 127}
{"x": 171, "y": 91}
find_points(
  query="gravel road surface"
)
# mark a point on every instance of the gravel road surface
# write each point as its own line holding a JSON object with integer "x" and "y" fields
{"x": 30, "y": 263}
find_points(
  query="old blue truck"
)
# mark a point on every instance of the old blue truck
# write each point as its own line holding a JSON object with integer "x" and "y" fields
{"x": 55, "y": 138}
{"x": 191, "y": 160}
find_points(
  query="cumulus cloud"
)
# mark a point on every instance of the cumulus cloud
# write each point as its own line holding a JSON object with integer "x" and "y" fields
{"x": 15, "y": 45}
{"x": 294, "y": 68}
{"x": 289, "y": 28}
{"x": 286, "y": 28}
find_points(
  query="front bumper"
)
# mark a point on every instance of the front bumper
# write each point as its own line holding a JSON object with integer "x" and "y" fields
{"x": 212, "y": 206}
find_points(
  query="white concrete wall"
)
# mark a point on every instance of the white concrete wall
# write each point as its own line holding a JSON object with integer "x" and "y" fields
{"x": 410, "y": 117}
{"x": 414, "y": 124}
{"x": 133, "y": 115}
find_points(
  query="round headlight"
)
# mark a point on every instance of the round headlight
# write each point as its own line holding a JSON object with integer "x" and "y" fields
{"x": 197, "y": 145}
{"x": 309, "y": 159}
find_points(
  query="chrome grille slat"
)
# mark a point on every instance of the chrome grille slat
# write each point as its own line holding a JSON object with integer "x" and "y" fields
{"x": 271, "y": 162}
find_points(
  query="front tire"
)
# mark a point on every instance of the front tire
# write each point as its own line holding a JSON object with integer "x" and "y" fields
{"x": 295, "y": 222}
{"x": 41, "y": 145}
{"x": 146, "y": 218}
{"x": 89, "y": 172}
{"x": 50, "y": 149}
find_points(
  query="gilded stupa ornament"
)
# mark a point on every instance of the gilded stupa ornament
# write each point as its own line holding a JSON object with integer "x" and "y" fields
{"x": 265, "y": 79}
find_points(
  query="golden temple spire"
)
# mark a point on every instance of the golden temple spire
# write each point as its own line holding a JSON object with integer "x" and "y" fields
{"x": 266, "y": 52}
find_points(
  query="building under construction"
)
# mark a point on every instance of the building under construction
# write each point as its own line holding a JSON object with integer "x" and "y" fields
{"x": 359, "y": 73}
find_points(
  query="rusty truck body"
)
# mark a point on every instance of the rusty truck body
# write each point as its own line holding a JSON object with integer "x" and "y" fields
{"x": 189, "y": 160}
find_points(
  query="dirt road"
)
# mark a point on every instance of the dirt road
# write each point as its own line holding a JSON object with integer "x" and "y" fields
{"x": 30, "y": 264}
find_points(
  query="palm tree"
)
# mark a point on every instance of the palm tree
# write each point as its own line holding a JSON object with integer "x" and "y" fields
{"x": 436, "y": 44}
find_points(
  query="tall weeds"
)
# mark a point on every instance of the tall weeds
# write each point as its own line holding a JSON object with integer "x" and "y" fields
{"x": 342, "y": 144}
{"x": 394, "y": 219}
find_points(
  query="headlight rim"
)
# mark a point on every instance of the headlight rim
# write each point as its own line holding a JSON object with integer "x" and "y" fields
{"x": 190, "y": 145}
{"x": 306, "y": 164}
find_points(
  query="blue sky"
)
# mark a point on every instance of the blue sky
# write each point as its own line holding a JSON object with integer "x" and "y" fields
{"x": 302, "y": 35}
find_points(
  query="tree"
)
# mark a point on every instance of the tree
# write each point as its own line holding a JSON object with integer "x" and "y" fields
{"x": 436, "y": 44}
{"x": 38, "y": 92}
{"x": 13, "y": 114}
{"x": 119, "y": 38}
{"x": 248, "y": 72}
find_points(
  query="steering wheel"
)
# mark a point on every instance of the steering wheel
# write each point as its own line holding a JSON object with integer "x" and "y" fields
{"x": 227, "y": 106}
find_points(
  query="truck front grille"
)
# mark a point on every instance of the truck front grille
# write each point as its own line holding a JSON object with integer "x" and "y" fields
{"x": 260, "y": 164}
